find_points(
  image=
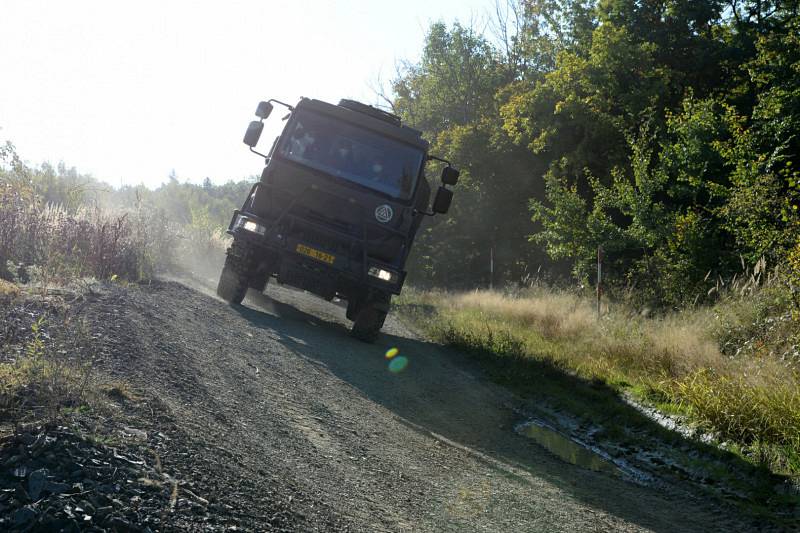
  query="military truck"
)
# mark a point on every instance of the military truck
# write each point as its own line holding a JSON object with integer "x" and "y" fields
{"x": 339, "y": 202}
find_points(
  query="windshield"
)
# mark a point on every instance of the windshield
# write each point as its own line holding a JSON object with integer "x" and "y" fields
{"x": 353, "y": 153}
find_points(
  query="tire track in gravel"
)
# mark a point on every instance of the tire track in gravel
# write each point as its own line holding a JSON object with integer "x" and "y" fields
{"x": 317, "y": 416}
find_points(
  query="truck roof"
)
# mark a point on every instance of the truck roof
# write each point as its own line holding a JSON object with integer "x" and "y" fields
{"x": 350, "y": 113}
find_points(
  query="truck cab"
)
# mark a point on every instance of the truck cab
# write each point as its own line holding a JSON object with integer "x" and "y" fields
{"x": 336, "y": 210}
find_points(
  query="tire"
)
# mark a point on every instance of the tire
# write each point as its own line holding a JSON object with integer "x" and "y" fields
{"x": 352, "y": 308}
{"x": 232, "y": 285}
{"x": 369, "y": 320}
{"x": 259, "y": 283}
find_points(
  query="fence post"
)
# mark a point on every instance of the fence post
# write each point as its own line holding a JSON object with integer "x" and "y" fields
{"x": 599, "y": 277}
{"x": 491, "y": 267}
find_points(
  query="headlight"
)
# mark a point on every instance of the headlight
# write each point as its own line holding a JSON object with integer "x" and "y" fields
{"x": 383, "y": 275}
{"x": 251, "y": 226}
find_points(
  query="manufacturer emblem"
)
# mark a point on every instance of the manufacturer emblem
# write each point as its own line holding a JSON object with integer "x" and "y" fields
{"x": 384, "y": 213}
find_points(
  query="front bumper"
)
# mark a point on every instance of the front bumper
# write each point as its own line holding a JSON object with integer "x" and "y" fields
{"x": 325, "y": 269}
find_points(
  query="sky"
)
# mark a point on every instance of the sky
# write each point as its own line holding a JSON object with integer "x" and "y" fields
{"x": 131, "y": 91}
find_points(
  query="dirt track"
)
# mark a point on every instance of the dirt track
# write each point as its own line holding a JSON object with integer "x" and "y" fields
{"x": 287, "y": 414}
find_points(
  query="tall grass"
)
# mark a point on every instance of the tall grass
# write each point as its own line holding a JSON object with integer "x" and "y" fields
{"x": 62, "y": 244}
{"x": 733, "y": 368}
{"x": 51, "y": 228}
{"x": 54, "y": 244}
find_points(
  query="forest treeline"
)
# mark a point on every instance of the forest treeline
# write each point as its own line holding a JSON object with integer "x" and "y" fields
{"x": 664, "y": 131}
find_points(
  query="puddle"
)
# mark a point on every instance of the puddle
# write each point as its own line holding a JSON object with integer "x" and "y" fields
{"x": 566, "y": 449}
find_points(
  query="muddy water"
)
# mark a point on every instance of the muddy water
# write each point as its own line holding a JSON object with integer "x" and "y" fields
{"x": 565, "y": 448}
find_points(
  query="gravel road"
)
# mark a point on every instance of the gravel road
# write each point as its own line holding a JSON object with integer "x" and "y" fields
{"x": 286, "y": 413}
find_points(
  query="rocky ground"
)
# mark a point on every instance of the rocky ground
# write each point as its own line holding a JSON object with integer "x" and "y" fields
{"x": 270, "y": 417}
{"x": 120, "y": 461}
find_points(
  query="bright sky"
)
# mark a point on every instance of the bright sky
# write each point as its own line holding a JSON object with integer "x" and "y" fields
{"x": 128, "y": 91}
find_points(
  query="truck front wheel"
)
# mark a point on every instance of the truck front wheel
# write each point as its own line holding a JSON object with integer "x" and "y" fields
{"x": 369, "y": 318}
{"x": 232, "y": 285}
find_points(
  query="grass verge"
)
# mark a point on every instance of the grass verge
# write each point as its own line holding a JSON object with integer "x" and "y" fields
{"x": 732, "y": 370}
{"x": 45, "y": 359}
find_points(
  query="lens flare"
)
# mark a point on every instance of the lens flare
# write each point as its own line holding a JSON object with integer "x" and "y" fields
{"x": 398, "y": 364}
{"x": 391, "y": 352}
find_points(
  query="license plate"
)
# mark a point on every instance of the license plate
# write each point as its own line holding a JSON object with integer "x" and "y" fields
{"x": 316, "y": 254}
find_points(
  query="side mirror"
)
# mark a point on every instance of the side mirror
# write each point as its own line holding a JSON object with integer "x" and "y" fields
{"x": 263, "y": 110}
{"x": 253, "y": 133}
{"x": 450, "y": 175}
{"x": 441, "y": 204}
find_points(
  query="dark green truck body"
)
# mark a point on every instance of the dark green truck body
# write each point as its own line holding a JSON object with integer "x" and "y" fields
{"x": 336, "y": 210}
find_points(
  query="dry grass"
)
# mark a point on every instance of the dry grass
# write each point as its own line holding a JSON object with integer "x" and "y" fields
{"x": 703, "y": 362}
{"x": 553, "y": 314}
{"x": 8, "y": 291}
{"x": 63, "y": 245}
{"x": 564, "y": 327}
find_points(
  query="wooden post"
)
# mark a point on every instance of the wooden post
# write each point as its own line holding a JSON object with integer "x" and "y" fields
{"x": 599, "y": 277}
{"x": 491, "y": 267}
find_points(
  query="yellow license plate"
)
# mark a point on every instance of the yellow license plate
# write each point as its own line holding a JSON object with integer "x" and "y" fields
{"x": 316, "y": 254}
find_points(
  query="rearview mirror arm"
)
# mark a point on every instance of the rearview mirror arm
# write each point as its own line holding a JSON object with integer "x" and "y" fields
{"x": 287, "y": 106}
{"x": 435, "y": 158}
{"x": 266, "y": 157}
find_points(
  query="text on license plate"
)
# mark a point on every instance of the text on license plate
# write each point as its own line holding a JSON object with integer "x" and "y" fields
{"x": 316, "y": 254}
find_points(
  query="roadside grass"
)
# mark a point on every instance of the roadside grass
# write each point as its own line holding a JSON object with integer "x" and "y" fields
{"x": 732, "y": 370}
{"x": 51, "y": 245}
{"x": 38, "y": 389}
{"x": 45, "y": 371}
{"x": 47, "y": 361}
{"x": 55, "y": 245}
